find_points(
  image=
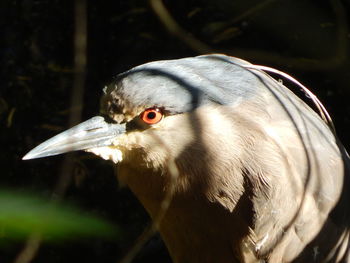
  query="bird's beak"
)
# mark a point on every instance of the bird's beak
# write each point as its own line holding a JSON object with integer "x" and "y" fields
{"x": 93, "y": 133}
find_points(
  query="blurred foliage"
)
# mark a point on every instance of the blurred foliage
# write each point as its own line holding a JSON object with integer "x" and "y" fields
{"x": 25, "y": 214}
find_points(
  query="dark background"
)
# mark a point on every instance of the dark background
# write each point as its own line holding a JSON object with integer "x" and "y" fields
{"x": 308, "y": 39}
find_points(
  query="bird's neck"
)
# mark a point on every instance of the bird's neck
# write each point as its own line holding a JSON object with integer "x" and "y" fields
{"x": 184, "y": 227}
{"x": 210, "y": 227}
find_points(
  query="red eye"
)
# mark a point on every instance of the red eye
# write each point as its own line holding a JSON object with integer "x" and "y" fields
{"x": 152, "y": 116}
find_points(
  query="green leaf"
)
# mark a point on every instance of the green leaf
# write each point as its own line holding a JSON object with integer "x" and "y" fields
{"x": 24, "y": 214}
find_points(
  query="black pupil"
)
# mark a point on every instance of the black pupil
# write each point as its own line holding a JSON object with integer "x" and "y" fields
{"x": 151, "y": 115}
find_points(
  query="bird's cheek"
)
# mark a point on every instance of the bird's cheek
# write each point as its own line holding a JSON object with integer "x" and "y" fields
{"x": 118, "y": 151}
{"x": 108, "y": 153}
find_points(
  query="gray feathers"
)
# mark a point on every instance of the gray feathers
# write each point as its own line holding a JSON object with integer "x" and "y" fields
{"x": 183, "y": 85}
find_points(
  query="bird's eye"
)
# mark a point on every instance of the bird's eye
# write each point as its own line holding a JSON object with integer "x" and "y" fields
{"x": 152, "y": 116}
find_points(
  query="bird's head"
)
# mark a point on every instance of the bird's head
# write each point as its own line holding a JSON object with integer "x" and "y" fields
{"x": 149, "y": 110}
{"x": 174, "y": 110}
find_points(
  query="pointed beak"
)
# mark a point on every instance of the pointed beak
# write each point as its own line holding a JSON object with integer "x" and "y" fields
{"x": 93, "y": 133}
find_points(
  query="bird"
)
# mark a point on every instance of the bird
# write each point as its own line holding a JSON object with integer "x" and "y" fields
{"x": 249, "y": 172}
